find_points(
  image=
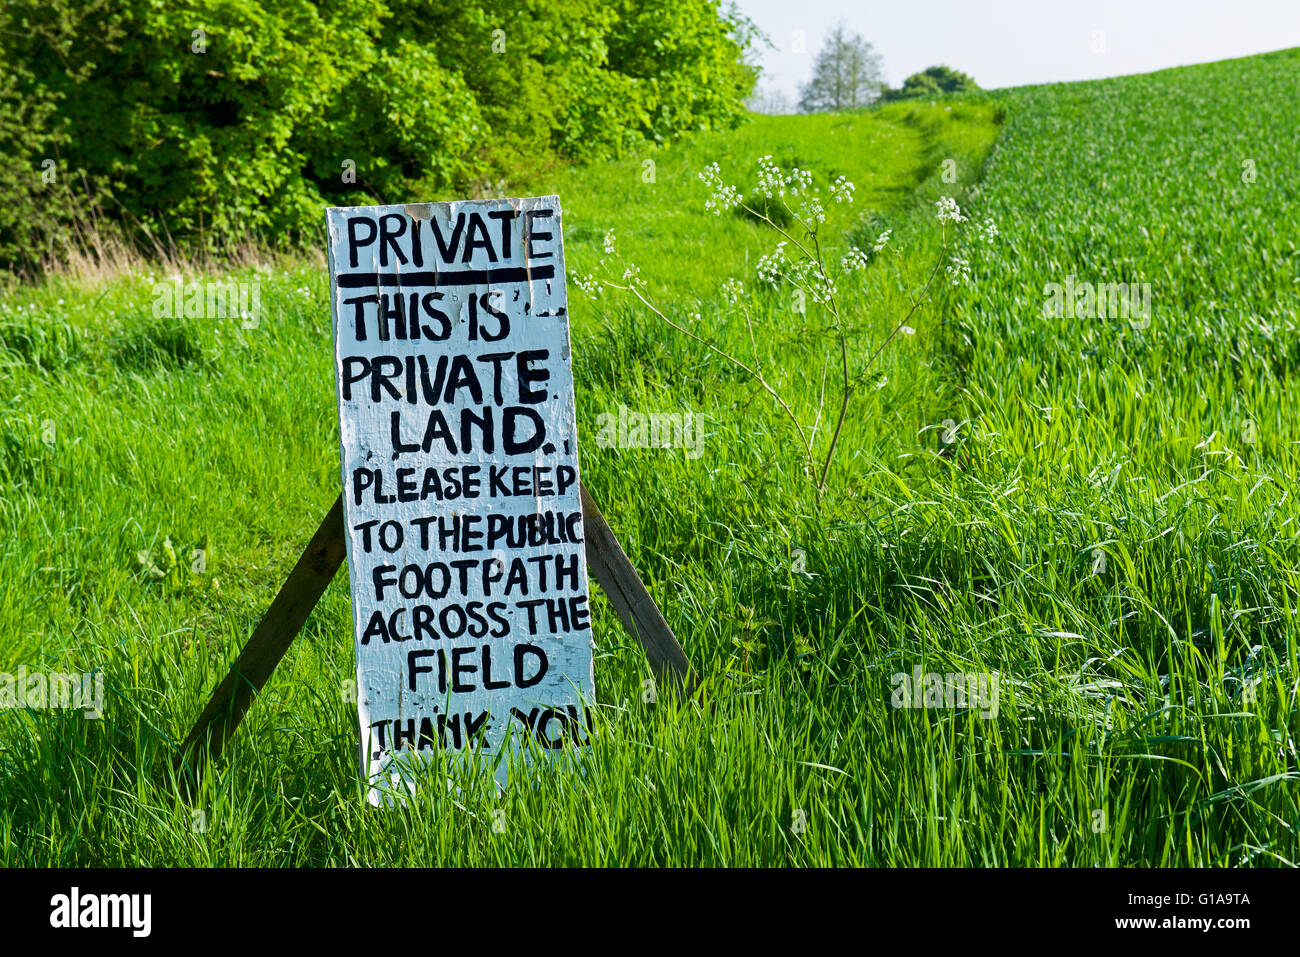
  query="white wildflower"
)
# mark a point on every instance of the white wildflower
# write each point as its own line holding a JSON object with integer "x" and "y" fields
{"x": 799, "y": 179}
{"x": 958, "y": 270}
{"x": 853, "y": 260}
{"x": 589, "y": 284}
{"x": 949, "y": 212}
{"x": 823, "y": 289}
{"x": 770, "y": 181}
{"x": 882, "y": 241}
{"x": 812, "y": 211}
{"x": 609, "y": 243}
{"x": 842, "y": 190}
{"x": 772, "y": 265}
{"x": 724, "y": 197}
{"x": 733, "y": 290}
{"x": 820, "y": 286}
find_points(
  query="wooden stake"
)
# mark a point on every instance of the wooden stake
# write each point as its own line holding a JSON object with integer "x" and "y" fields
{"x": 610, "y": 566}
{"x": 606, "y": 561}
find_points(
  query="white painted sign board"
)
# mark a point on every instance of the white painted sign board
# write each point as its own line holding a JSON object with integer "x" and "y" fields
{"x": 460, "y": 482}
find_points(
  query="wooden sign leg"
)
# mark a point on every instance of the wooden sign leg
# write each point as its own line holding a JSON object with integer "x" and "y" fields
{"x": 610, "y": 566}
{"x": 606, "y": 561}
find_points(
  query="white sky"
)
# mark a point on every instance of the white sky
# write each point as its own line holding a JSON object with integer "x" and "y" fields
{"x": 1013, "y": 42}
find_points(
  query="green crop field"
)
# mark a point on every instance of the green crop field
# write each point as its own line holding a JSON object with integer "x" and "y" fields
{"x": 1097, "y": 508}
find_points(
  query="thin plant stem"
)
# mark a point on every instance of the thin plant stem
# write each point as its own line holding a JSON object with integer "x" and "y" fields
{"x": 757, "y": 375}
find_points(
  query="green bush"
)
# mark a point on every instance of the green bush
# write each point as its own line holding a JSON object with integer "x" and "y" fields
{"x": 933, "y": 81}
{"x": 211, "y": 121}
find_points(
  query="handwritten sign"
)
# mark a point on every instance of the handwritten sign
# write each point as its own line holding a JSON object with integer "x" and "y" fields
{"x": 460, "y": 482}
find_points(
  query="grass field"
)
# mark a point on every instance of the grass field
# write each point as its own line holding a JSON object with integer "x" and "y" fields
{"x": 1098, "y": 510}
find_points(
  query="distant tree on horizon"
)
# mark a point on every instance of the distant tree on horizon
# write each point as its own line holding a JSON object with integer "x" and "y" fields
{"x": 847, "y": 74}
{"x": 772, "y": 101}
{"x": 932, "y": 81}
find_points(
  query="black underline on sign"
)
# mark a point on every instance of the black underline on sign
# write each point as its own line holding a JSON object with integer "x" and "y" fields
{"x": 450, "y": 277}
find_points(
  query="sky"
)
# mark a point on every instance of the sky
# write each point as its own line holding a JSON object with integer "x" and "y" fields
{"x": 1013, "y": 42}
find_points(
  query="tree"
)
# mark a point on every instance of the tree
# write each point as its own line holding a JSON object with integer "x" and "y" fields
{"x": 772, "y": 101}
{"x": 847, "y": 74}
{"x": 932, "y": 81}
{"x": 216, "y": 121}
